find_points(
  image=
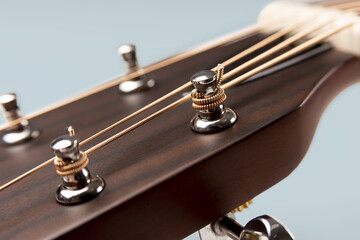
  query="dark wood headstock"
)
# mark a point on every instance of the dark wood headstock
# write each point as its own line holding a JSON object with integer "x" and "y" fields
{"x": 163, "y": 180}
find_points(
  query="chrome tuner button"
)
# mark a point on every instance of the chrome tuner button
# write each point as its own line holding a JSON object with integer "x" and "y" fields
{"x": 20, "y": 132}
{"x": 210, "y": 117}
{"x": 265, "y": 228}
{"x": 260, "y": 228}
{"x": 128, "y": 53}
{"x": 78, "y": 185}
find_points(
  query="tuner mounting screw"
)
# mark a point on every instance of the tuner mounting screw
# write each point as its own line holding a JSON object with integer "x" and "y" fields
{"x": 20, "y": 132}
{"x": 208, "y": 98}
{"x": 78, "y": 185}
{"x": 142, "y": 82}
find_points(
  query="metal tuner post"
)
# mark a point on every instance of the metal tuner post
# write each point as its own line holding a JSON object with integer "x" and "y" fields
{"x": 78, "y": 185}
{"x": 261, "y": 228}
{"x": 208, "y": 98}
{"x": 20, "y": 132}
{"x": 128, "y": 53}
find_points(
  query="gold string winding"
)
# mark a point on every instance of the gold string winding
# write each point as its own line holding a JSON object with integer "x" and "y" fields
{"x": 219, "y": 74}
{"x": 209, "y": 102}
{"x": 203, "y": 103}
{"x": 65, "y": 169}
{"x": 232, "y": 83}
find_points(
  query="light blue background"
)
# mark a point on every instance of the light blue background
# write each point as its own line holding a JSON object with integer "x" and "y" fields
{"x": 50, "y": 50}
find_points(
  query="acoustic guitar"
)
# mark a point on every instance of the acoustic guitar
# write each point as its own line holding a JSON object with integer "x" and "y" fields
{"x": 169, "y": 169}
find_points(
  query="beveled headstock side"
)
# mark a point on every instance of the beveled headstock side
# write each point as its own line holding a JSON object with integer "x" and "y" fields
{"x": 163, "y": 180}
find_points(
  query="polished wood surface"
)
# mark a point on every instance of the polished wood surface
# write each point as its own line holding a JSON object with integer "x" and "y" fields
{"x": 163, "y": 180}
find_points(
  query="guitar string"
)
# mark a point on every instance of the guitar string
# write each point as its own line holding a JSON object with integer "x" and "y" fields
{"x": 346, "y": 5}
{"x": 309, "y": 43}
{"x": 355, "y": 9}
{"x": 282, "y": 57}
{"x": 335, "y": 3}
{"x": 255, "y": 47}
{"x": 351, "y": 6}
{"x": 276, "y": 48}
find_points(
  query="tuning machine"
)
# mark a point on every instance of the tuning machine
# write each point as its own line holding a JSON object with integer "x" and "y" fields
{"x": 142, "y": 82}
{"x": 208, "y": 98}
{"x": 260, "y": 228}
{"x": 78, "y": 184}
{"x": 20, "y": 132}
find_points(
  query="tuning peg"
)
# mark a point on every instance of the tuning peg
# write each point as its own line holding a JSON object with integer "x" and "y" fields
{"x": 266, "y": 227}
{"x": 208, "y": 100}
{"x": 78, "y": 185}
{"x": 128, "y": 53}
{"x": 260, "y": 228}
{"x": 20, "y": 132}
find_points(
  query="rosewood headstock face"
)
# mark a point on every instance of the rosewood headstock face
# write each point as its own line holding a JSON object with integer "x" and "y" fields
{"x": 162, "y": 176}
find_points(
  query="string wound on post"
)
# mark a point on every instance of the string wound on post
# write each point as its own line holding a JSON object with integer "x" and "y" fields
{"x": 208, "y": 98}
{"x": 78, "y": 185}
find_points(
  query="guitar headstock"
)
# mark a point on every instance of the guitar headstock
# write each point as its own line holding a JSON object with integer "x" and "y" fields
{"x": 163, "y": 166}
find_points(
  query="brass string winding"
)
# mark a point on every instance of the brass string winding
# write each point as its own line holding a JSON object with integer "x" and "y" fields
{"x": 204, "y": 103}
{"x": 65, "y": 169}
{"x": 219, "y": 74}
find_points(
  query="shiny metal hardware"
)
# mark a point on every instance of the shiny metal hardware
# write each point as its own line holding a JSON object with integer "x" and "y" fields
{"x": 260, "y": 228}
{"x": 267, "y": 228}
{"x": 22, "y": 131}
{"x": 213, "y": 231}
{"x": 214, "y": 119}
{"x": 77, "y": 186}
{"x": 128, "y": 53}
